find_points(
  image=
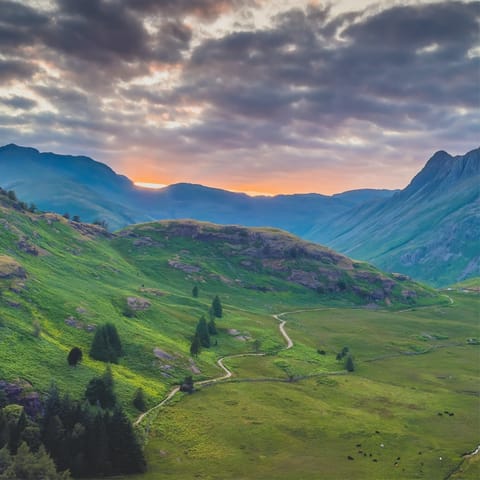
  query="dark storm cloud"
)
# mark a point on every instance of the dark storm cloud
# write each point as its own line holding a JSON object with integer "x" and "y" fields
{"x": 377, "y": 72}
{"x": 396, "y": 78}
{"x": 16, "y": 69}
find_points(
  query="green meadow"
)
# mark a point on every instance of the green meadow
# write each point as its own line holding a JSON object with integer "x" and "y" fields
{"x": 409, "y": 410}
{"x": 287, "y": 414}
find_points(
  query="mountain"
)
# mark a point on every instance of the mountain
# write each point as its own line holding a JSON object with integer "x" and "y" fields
{"x": 84, "y": 187}
{"x": 429, "y": 230}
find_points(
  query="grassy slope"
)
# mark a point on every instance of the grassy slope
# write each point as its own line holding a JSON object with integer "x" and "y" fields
{"x": 211, "y": 432}
{"x": 90, "y": 277}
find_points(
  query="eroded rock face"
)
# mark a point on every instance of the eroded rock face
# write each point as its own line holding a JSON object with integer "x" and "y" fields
{"x": 273, "y": 254}
{"x": 10, "y": 268}
{"x": 26, "y": 246}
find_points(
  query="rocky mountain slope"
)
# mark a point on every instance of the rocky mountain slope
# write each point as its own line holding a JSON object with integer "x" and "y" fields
{"x": 429, "y": 230}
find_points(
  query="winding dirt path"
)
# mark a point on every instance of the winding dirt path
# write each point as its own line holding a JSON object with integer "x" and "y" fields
{"x": 228, "y": 372}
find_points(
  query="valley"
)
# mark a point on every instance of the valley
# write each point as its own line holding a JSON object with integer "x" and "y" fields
{"x": 283, "y": 412}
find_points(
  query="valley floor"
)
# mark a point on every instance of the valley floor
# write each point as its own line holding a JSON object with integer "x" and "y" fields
{"x": 410, "y": 409}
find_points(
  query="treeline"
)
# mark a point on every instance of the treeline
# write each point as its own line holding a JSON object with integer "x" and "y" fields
{"x": 89, "y": 437}
{"x": 11, "y": 195}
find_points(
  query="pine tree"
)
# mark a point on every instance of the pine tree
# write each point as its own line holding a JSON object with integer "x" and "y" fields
{"x": 195, "y": 346}
{"x": 195, "y": 292}
{"x": 202, "y": 331}
{"x": 212, "y": 328}
{"x": 125, "y": 451}
{"x": 106, "y": 345}
{"x": 217, "y": 307}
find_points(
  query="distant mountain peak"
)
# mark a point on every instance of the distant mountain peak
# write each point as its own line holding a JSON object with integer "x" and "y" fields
{"x": 443, "y": 171}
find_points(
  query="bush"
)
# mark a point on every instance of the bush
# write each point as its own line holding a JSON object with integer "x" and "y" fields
{"x": 75, "y": 356}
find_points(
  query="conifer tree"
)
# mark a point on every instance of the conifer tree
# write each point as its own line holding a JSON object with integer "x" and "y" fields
{"x": 217, "y": 307}
{"x": 106, "y": 345}
{"x": 195, "y": 346}
{"x": 195, "y": 292}
{"x": 212, "y": 327}
{"x": 202, "y": 331}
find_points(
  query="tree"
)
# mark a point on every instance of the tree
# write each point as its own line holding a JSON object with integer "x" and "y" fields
{"x": 139, "y": 400}
{"x": 66, "y": 215}
{"x": 29, "y": 466}
{"x": 349, "y": 365}
{"x": 202, "y": 332}
{"x": 195, "y": 346}
{"x": 75, "y": 356}
{"x": 12, "y": 195}
{"x": 257, "y": 344}
{"x": 76, "y": 218}
{"x": 195, "y": 292}
{"x": 187, "y": 385}
{"x": 212, "y": 327}
{"x": 106, "y": 344}
{"x": 100, "y": 390}
{"x": 217, "y": 307}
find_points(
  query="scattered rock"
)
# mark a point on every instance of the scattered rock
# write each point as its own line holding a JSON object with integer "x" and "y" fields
{"x": 145, "y": 242}
{"x": 10, "y": 268}
{"x": 152, "y": 291}
{"x": 25, "y": 246}
{"x": 184, "y": 267}
{"x": 159, "y": 353}
{"x": 71, "y": 321}
{"x": 138, "y": 303}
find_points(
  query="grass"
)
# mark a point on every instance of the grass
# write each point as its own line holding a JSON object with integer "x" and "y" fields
{"x": 239, "y": 429}
{"x": 309, "y": 428}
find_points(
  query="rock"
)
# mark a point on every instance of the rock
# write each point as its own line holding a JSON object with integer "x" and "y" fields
{"x": 25, "y": 246}
{"x": 159, "y": 353}
{"x": 138, "y": 303}
{"x": 184, "y": 267}
{"x": 10, "y": 268}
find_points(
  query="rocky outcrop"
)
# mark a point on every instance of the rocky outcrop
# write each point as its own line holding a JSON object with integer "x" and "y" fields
{"x": 10, "y": 268}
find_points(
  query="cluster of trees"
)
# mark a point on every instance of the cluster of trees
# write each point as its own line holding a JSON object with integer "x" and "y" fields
{"x": 11, "y": 195}
{"x": 106, "y": 345}
{"x": 90, "y": 438}
{"x": 345, "y": 354}
{"x": 27, "y": 464}
{"x": 204, "y": 330}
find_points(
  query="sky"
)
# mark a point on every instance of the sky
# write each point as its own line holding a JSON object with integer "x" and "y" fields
{"x": 262, "y": 96}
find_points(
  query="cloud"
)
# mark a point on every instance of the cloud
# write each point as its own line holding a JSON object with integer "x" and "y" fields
{"x": 310, "y": 90}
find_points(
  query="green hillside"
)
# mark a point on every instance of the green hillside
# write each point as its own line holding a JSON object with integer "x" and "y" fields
{"x": 59, "y": 280}
{"x": 59, "y": 277}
